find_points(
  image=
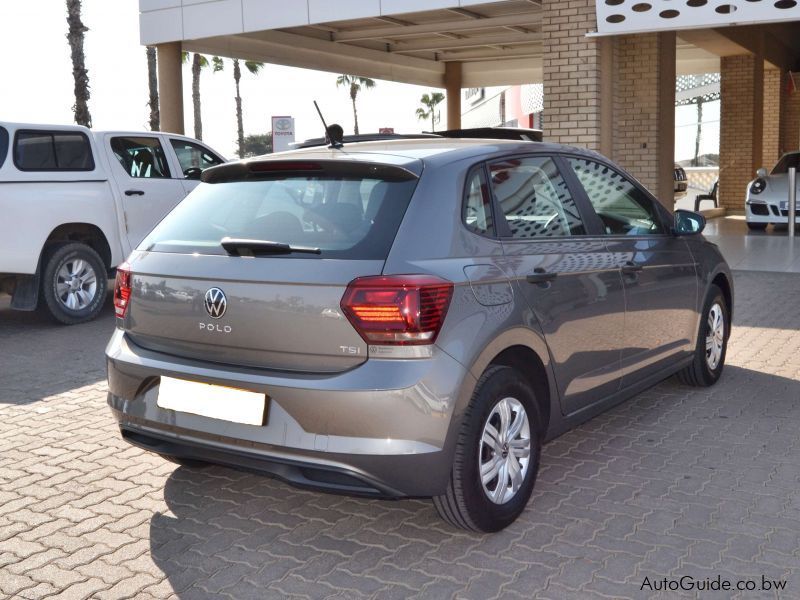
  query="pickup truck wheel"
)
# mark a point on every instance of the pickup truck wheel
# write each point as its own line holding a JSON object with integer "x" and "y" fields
{"x": 74, "y": 283}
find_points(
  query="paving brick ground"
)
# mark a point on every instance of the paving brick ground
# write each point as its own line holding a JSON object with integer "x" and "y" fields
{"x": 673, "y": 482}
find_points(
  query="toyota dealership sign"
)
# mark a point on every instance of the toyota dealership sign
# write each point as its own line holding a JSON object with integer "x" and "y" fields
{"x": 282, "y": 133}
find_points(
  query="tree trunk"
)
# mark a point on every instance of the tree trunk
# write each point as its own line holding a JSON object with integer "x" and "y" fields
{"x": 433, "y": 118}
{"x": 237, "y": 76}
{"x": 79, "y": 72}
{"x": 198, "y": 121}
{"x": 152, "y": 82}
{"x": 353, "y": 94}
{"x": 699, "y": 132}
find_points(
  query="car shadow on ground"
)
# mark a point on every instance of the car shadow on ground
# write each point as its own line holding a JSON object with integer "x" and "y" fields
{"x": 250, "y": 536}
{"x": 41, "y": 358}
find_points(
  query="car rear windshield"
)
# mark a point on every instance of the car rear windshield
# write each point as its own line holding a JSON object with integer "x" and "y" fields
{"x": 344, "y": 217}
{"x": 786, "y": 162}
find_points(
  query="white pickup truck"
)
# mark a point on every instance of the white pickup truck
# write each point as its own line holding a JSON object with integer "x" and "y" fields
{"x": 75, "y": 202}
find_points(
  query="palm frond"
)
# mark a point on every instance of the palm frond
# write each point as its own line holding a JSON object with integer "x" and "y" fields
{"x": 253, "y": 66}
{"x": 217, "y": 63}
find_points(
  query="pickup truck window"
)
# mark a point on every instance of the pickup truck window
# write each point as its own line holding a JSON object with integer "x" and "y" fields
{"x": 141, "y": 157}
{"x": 194, "y": 156}
{"x": 52, "y": 151}
{"x": 3, "y": 145}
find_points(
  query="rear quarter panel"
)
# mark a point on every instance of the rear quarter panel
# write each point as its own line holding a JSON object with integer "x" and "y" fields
{"x": 32, "y": 210}
{"x": 433, "y": 240}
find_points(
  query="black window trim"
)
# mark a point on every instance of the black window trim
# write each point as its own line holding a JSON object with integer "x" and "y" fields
{"x": 4, "y": 151}
{"x": 481, "y": 166}
{"x": 52, "y": 133}
{"x": 501, "y": 225}
{"x": 660, "y": 210}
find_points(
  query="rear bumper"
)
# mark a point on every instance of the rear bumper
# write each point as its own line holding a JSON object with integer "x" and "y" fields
{"x": 379, "y": 429}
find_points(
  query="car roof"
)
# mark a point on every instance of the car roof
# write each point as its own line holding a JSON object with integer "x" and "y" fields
{"x": 427, "y": 150}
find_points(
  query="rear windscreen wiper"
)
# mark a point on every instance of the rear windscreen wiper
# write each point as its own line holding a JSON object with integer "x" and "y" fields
{"x": 244, "y": 247}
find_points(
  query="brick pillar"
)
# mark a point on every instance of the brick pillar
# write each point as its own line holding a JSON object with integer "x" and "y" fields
{"x": 613, "y": 95}
{"x": 790, "y": 115}
{"x": 770, "y": 152}
{"x": 572, "y": 67}
{"x": 741, "y": 127}
{"x": 644, "y": 110}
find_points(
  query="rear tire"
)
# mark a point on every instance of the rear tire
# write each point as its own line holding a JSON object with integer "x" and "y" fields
{"x": 74, "y": 283}
{"x": 712, "y": 342}
{"x": 756, "y": 226}
{"x": 503, "y": 414}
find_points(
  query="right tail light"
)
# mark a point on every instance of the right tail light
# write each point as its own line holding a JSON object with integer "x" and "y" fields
{"x": 401, "y": 310}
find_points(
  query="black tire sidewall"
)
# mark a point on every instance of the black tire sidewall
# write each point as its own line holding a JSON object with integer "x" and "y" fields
{"x": 710, "y": 376}
{"x": 487, "y": 515}
{"x": 55, "y": 259}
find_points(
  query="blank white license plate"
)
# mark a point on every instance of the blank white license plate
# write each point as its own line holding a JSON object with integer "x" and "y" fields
{"x": 214, "y": 401}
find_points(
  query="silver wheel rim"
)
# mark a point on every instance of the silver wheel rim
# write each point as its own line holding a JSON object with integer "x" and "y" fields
{"x": 505, "y": 451}
{"x": 76, "y": 284}
{"x": 715, "y": 339}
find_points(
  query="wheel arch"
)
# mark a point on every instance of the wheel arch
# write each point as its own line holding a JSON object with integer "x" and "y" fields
{"x": 722, "y": 282}
{"x": 84, "y": 233}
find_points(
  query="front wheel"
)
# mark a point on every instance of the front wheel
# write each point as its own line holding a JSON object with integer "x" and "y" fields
{"x": 74, "y": 283}
{"x": 756, "y": 226}
{"x": 712, "y": 342}
{"x": 497, "y": 455}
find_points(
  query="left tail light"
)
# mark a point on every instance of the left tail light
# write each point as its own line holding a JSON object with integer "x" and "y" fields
{"x": 122, "y": 289}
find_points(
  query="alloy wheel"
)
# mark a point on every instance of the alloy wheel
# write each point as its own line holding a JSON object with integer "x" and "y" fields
{"x": 76, "y": 284}
{"x": 505, "y": 450}
{"x": 715, "y": 338}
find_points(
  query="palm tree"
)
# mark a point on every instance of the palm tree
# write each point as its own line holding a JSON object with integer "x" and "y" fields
{"x": 355, "y": 84}
{"x": 430, "y": 101}
{"x": 199, "y": 62}
{"x": 152, "y": 82}
{"x": 254, "y": 67}
{"x": 79, "y": 72}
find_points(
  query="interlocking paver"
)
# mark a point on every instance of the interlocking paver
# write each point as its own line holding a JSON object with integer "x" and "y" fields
{"x": 673, "y": 482}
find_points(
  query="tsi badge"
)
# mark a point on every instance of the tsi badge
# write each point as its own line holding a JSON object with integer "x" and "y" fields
{"x": 216, "y": 304}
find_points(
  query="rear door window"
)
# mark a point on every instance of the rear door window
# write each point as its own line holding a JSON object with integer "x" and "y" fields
{"x": 52, "y": 151}
{"x": 344, "y": 216}
{"x": 477, "y": 210}
{"x": 141, "y": 157}
{"x": 534, "y": 198}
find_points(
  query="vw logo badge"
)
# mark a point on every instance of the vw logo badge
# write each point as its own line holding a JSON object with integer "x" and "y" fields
{"x": 216, "y": 303}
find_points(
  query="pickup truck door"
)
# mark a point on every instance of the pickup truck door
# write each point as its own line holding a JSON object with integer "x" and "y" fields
{"x": 191, "y": 159}
{"x": 146, "y": 184}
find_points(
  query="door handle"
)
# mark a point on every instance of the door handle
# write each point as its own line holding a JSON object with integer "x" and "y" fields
{"x": 539, "y": 275}
{"x": 631, "y": 268}
{"x": 134, "y": 193}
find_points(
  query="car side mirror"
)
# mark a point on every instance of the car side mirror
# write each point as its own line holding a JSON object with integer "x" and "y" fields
{"x": 193, "y": 173}
{"x": 762, "y": 173}
{"x": 688, "y": 222}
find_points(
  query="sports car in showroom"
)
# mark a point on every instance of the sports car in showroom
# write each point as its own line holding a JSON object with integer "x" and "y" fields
{"x": 768, "y": 194}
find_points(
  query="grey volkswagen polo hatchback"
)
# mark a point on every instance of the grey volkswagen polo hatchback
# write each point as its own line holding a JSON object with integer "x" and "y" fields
{"x": 410, "y": 318}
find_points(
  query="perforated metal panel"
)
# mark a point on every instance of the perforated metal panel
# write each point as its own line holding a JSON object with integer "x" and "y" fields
{"x": 628, "y": 16}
